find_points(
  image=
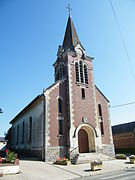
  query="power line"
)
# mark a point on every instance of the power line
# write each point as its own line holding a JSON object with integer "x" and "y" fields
{"x": 126, "y": 104}
{"x": 122, "y": 39}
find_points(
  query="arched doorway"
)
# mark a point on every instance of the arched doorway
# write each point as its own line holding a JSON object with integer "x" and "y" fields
{"x": 83, "y": 141}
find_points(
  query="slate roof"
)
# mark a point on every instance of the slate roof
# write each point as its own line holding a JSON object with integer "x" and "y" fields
{"x": 71, "y": 38}
{"x": 25, "y": 109}
{"x": 123, "y": 128}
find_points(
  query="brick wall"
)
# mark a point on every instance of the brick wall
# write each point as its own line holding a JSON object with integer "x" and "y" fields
{"x": 106, "y": 138}
{"x": 55, "y": 93}
{"x": 82, "y": 107}
{"x": 124, "y": 140}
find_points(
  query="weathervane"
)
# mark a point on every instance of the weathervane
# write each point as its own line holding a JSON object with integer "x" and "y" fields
{"x": 69, "y": 9}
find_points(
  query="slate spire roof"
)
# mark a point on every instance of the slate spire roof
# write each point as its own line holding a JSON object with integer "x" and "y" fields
{"x": 71, "y": 38}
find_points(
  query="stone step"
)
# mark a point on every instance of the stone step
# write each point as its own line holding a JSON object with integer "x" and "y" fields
{"x": 89, "y": 157}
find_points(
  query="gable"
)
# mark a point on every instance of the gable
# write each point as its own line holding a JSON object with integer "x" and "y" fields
{"x": 105, "y": 98}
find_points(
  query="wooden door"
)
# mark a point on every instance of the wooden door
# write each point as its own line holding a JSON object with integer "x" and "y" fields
{"x": 83, "y": 141}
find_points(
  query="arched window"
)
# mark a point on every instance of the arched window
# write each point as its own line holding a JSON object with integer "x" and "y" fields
{"x": 77, "y": 72}
{"x": 17, "y": 140}
{"x": 60, "y": 72}
{"x": 13, "y": 136}
{"x": 30, "y": 129}
{"x": 101, "y": 119}
{"x": 99, "y": 110}
{"x": 59, "y": 105}
{"x": 23, "y": 129}
{"x": 81, "y": 72}
{"x": 85, "y": 74}
{"x": 60, "y": 127}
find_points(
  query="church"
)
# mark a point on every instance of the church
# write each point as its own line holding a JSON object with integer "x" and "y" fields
{"x": 71, "y": 116}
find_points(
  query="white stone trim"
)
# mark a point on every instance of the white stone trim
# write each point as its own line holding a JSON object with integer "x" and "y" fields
{"x": 59, "y": 97}
{"x": 98, "y": 140}
{"x": 47, "y": 117}
{"x": 72, "y": 127}
{"x": 84, "y": 125}
{"x": 110, "y": 129}
{"x": 91, "y": 137}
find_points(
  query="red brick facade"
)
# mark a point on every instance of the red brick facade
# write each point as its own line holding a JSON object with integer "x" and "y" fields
{"x": 124, "y": 137}
{"x": 55, "y": 138}
{"x": 105, "y": 113}
{"x": 124, "y": 140}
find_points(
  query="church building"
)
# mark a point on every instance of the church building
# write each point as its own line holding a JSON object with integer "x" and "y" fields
{"x": 71, "y": 116}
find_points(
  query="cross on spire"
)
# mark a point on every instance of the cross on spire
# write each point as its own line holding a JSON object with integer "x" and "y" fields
{"x": 69, "y": 9}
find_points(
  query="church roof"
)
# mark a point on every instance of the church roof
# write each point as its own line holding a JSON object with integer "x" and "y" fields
{"x": 2, "y": 139}
{"x": 71, "y": 38}
{"x": 25, "y": 109}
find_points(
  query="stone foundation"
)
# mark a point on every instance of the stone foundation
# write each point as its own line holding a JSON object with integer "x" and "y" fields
{"x": 29, "y": 153}
{"x": 52, "y": 153}
{"x": 108, "y": 150}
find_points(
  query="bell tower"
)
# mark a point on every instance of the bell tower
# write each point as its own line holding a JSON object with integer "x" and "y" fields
{"x": 74, "y": 66}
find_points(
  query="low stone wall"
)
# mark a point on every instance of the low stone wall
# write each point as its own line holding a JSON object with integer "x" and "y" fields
{"x": 9, "y": 168}
{"x": 14, "y": 169}
{"x": 52, "y": 153}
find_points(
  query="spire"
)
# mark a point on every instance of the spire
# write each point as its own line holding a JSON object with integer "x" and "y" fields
{"x": 71, "y": 39}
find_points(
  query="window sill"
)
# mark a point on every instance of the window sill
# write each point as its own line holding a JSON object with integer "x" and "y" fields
{"x": 83, "y": 98}
{"x": 81, "y": 84}
{"x": 60, "y": 135}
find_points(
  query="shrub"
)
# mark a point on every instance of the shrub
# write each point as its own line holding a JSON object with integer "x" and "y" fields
{"x": 132, "y": 157}
{"x": 96, "y": 163}
{"x": 62, "y": 161}
{"x": 120, "y": 156}
{"x": 10, "y": 156}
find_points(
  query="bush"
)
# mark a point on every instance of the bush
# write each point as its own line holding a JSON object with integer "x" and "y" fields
{"x": 10, "y": 156}
{"x": 62, "y": 161}
{"x": 132, "y": 157}
{"x": 121, "y": 156}
{"x": 96, "y": 163}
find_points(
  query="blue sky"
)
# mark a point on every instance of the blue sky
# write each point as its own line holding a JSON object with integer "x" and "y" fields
{"x": 30, "y": 33}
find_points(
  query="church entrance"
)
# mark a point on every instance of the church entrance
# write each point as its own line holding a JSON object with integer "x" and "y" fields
{"x": 83, "y": 141}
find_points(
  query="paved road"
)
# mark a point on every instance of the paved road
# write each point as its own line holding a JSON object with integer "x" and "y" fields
{"x": 119, "y": 175}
